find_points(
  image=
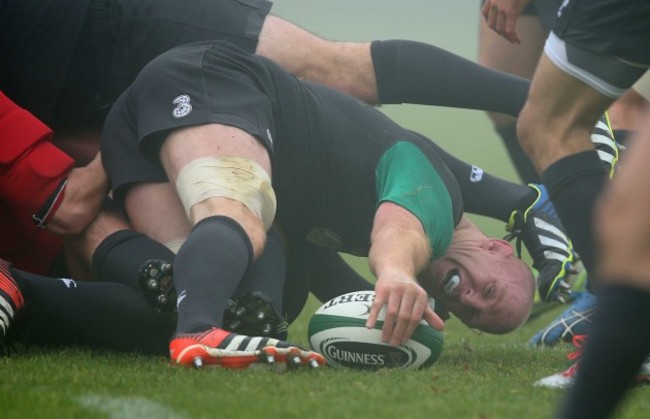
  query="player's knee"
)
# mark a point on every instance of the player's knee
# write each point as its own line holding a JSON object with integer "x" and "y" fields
{"x": 527, "y": 131}
{"x": 235, "y": 187}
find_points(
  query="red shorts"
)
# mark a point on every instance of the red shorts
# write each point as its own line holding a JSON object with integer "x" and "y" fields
{"x": 29, "y": 248}
{"x": 31, "y": 171}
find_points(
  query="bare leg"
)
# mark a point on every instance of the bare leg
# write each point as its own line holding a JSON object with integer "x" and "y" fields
{"x": 170, "y": 226}
{"x": 79, "y": 249}
{"x": 497, "y": 53}
{"x": 559, "y": 116}
{"x": 554, "y": 129}
{"x": 346, "y": 66}
{"x": 186, "y": 145}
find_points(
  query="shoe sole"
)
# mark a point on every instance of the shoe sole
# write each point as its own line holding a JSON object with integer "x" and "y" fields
{"x": 199, "y": 355}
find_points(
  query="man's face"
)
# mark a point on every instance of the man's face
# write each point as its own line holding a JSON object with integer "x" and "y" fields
{"x": 484, "y": 285}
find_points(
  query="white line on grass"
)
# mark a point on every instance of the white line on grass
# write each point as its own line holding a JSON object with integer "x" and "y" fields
{"x": 127, "y": 407}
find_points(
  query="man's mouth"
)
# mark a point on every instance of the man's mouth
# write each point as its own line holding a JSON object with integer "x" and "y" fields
{"x": 451, "y": 282}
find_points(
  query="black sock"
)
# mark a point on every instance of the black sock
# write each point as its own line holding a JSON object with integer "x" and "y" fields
{"x": 619, "y": 343}
{"x": 574, "y": 184}
{"x": 98, "y": 315}
{"x": 267, "y": 275}
{"x": 332, "y": 276}
{"x": 484, "y": 194}
{"x": 414, "y": 72}
{"x": 119, "y": 257}
{"x": 519, "y": 159}
{"x": 209, "y": 266}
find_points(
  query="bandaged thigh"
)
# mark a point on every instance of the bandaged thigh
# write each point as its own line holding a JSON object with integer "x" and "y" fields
{"x": 235, "y": 178}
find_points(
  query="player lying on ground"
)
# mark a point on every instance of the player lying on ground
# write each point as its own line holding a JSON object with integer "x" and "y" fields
{"x": 118, "y": 256}
{"x": 110, "y": 46}
{"x": 343, "y": 176}
{"x": 388, "y": 72}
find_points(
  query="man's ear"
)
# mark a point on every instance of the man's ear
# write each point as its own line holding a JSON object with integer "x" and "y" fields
{"x": 498, "y": 246}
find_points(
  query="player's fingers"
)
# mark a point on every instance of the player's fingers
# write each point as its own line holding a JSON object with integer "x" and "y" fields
{"x": 491, "y": 17}
{"x": 416, "y": 316}
{"x": 511, "y": 30}
{"x": 376, "y": 306}
{"x": 391, "y": 318}
{"x": 433, "y": 319}
{"x": 500, "y": 25}
{"x": 404, "y": 317}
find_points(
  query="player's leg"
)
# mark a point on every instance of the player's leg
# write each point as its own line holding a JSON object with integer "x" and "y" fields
{"x": 497, "y": 53}
{"x": 218, "y": 222}
{"x": 257, "y": 305}
{"x": 554, "y": 129}
{"x": 346, "y": 66}
{"x": 396, "y": 71}
{"x": 98, "y": 315}
{"x": 109, "y": 250}
{"x": 620, "y": 340}
{"x": 260, "y": 291}
{"x": 229, "y": 217}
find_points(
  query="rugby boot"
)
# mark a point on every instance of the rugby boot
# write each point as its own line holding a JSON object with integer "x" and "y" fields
{"x": 255, "y": 315}
{"x": 603, "y": 140}
{"x": 230, "y": 350}
{"x": 541, "y": 231}
{"x": 576, "y": 320}
{"x": 157, "y": 283}
{"x": 566, "y": 378}
{"x": 11, "y": 301}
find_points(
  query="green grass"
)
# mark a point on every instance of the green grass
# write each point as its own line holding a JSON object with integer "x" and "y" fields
{"x": 477, "y": 376}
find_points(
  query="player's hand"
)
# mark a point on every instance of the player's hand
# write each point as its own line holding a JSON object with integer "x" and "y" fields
{"x": 502, "y": 15}
{"x": 406, "y": 305}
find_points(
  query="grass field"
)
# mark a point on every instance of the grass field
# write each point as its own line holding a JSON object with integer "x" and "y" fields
{"x": 477, "y": 376}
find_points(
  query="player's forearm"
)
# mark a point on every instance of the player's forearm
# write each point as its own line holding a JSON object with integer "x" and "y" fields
{"x": 398, "y": 250}
{"x": 84, "y": 193}
{"x": 398, "y": 242}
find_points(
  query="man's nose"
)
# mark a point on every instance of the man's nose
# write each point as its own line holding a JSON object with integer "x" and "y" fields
{"x": 472, "y": 299}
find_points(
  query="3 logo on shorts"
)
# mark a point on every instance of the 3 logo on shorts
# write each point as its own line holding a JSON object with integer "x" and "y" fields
{"x": 183, "y": 106}
{"x": 476, "y": 175}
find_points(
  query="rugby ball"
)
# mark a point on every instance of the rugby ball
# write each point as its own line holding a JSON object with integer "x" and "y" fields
{"x": 338, "y": 331}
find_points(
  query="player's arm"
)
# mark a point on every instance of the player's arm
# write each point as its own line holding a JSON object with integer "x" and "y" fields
{"x": 37, "y": 178}
{"x": 83, "y": 196}
{"x": 399, "y": 251}
{"x": 412, "y": 224}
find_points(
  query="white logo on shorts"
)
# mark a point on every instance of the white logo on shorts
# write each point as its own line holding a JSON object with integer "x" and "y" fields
{"x": 563, "y": 6}
{"x": 180, "y": 298}
{"x": 68, "y": 282}
{"x": 477, "y": 174}
{"x": 183, "y": 106}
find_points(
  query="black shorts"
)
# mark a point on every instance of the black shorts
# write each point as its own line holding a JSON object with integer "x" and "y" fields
{"x": 187, "y": 86}
{"x": 619, "y": 28}
{"x": 140, "y": 30}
